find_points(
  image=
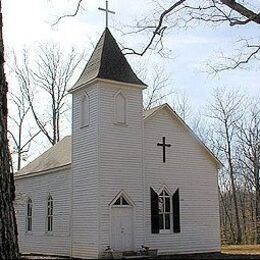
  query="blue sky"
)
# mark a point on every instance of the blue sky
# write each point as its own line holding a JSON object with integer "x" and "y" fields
{"x": 28, "y": 22}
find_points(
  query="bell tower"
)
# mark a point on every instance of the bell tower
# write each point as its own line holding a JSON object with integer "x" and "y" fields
{"x": 107, "y": 153}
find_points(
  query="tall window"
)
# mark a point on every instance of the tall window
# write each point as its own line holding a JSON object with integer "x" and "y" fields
{"x": 84, "y": 115}
{"x": 50, "y": 214}
{"x": 164, "y": 211}
{"x": 29, "y": 215}
{"x": 120, "y": 108}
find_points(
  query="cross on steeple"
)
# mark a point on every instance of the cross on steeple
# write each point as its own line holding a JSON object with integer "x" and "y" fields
{"x": 164, "y": 145}
{"x": 107, "y": 12}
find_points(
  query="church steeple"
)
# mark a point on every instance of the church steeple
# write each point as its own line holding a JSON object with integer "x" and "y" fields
{"x": 107, "y": 62}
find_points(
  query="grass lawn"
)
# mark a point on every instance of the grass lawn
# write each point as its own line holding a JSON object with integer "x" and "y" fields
{"x": 241, "y": 250}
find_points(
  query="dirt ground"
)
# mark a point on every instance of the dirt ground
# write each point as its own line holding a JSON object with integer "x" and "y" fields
{"x": 244, "y": 252}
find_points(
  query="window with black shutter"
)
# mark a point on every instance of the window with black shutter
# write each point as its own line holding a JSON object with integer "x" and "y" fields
{"x": 164, "y": 211}
{"x": 154, "y": 212}
{"x": 176, "y": 212}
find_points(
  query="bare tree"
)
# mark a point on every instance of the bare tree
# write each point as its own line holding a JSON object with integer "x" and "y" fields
{"x": 8, "y": 230}
{"x": 21, "y": 141}
{"x": 182, "y": 105}
{"x": 158, "y": 87}
{"x": 166, "y": 16}
{"x": 50, "y": 75}
{"x": 226, "y": 111}
{"x": 249, "y": 149}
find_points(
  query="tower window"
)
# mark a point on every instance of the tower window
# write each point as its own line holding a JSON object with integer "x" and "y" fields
{"x": 84, "y": 110}
{"x": 120, "y": 108}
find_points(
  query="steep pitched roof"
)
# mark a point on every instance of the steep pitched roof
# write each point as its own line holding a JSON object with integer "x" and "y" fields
{"x": 107, "y": 62}
{"x": 56, "y": 156}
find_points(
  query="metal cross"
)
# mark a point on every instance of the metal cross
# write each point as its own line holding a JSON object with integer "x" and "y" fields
{"x": 107, "y": 12}
{"x": 164, "y": 145}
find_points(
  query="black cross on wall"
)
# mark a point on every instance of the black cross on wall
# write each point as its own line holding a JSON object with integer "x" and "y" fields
{"x": 164, "y": 145}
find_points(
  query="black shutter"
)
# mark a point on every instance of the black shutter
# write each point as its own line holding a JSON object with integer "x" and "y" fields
{"x": 154, "y": 212}
{"x": 176, "y": 212}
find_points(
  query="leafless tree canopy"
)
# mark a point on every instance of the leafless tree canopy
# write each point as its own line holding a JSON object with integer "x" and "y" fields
{"x": 21, "y": 140}
{"x": 158, "y": 89}
{"x": 49, "y": 77}
{"x": 165, "y": 16}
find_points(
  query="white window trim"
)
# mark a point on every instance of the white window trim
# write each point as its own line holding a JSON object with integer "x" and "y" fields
{"x": 27, "y": 217}
{"x": 121, "y": 92}
{"x": 122, "y": 193}
{"x": 49, "y": 232}
{"x": 166, "y": 231}
{"x": 85, "y": 97}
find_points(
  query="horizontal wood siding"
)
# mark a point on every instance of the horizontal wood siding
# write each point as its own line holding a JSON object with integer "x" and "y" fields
{"x": 189, "y": 168}
{"x": 121, "y": 158}
{"x": 85, "y": 177}
{"x": 38, "y": 188}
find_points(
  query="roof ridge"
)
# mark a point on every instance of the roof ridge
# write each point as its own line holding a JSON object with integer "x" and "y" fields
{"x": 102, "y": 51}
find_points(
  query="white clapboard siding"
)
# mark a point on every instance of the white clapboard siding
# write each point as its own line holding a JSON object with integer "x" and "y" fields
{"x": 188, "y": 167}
{"x": 58, "y": 184}
{"x": 120, "y": 158}
{"x": 85, "y": 177}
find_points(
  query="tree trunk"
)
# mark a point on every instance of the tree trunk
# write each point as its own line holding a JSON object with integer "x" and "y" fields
{"x": 234, "y": 191}
{"x": 257, "y": 210}
{"x": 8, "y": 230}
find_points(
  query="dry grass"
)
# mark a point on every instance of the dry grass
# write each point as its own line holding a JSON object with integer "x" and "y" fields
{"x": 241, "y": 250}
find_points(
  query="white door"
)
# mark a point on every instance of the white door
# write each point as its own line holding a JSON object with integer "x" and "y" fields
{"x": 122, "y": 228}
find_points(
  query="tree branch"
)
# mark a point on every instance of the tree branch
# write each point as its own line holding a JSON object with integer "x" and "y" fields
{"x": 78, "y": 7}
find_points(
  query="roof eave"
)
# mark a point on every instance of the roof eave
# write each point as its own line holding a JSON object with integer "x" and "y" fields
{"x": 41, "y": 172}
{"x": 94, "y": 80}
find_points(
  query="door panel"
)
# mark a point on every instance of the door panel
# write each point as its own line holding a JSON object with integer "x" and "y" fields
{"x": 122, "y": 228}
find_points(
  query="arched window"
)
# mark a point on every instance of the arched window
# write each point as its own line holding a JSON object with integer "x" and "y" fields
{"x": 50, "y": 214}
{"x": 84, "y": 110}
{"x": 120, "y": 108}
{"x": 164, "y": 210}
{"x": 29, "y": 215}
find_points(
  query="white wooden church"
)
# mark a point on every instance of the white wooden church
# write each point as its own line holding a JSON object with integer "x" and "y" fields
{"x": 125, "y": 178}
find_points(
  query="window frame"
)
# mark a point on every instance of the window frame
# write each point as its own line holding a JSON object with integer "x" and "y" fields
{"x": 163, "y": 195}
{"x": 122, "y": 195}
{"x": 49, "y": 214}
{"x": 84, "y": 110}
{"x": 29, "y": 215}
{"x": 125, "y": 100}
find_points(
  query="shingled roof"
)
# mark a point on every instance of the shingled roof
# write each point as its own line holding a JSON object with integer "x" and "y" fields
{"x": 107, "y": 62}
{"x": 57, "y": 156}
